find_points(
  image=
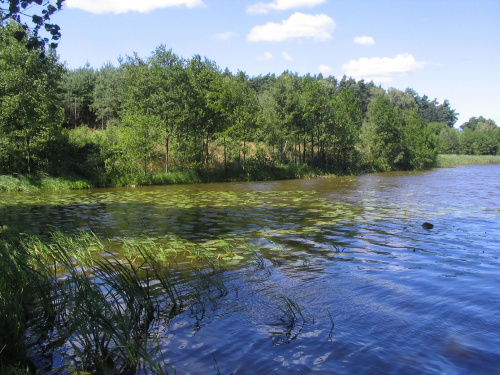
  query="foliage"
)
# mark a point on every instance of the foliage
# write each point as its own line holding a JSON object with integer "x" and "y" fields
{"x": 480, "y": 137}
{"x": 420, "y": 143}
{"x": 449, "y": 141}
{"x": 30, "y": 183}
{"x": 479, "y": 124}
{"x": 30, "y": 116}
{"x": 165, "y": 118}
{"x": 107, "y": 94}
{"x": 432, "y": 111}
{"x": 383, "y": 136}
{"x": 18, "y": 8}
{"x": 478, "y": 143}
{"x": 78, "y": 87}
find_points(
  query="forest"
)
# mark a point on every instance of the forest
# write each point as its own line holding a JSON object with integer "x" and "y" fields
{"x": 151, "y": 117}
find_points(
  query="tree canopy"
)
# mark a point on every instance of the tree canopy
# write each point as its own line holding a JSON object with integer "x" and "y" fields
{"x": 164, "y": 113}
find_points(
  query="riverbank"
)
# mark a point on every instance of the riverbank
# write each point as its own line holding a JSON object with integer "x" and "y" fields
{"x": 28, "y": 184}
{"x": 448, "y": 161}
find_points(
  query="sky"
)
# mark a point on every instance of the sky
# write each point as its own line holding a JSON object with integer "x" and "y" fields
{"x": 445, "y": 49}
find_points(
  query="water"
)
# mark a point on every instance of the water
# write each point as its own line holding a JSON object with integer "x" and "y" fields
{"x": 375, "y": 292}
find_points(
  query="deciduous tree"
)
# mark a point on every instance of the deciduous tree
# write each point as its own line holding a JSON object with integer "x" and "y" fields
{"x": 30, "y": 114}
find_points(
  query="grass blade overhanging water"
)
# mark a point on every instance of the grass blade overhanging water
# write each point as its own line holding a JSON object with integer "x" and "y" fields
{"x": 101, "y": 312}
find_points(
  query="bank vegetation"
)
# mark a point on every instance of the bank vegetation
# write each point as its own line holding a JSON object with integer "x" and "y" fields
{"x": 166, "y": 119}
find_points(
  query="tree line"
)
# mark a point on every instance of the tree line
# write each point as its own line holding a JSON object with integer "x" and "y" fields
{"x": 165, "y": 113}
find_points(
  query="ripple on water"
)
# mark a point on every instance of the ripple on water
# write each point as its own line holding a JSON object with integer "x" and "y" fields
{"x": 376, "y": 291}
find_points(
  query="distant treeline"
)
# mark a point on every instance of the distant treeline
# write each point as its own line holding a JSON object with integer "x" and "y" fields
{"x": 165, "y": 113}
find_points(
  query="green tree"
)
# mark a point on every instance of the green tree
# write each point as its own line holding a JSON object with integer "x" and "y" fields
{"x": 204, "y": 108}
{"x": 449, "y": 141}
{"x": 479, "y": 142}
{"x": 347, "y": 122}
{"x": 479, "y": 124}
{"x": 133, "y": 141}
{"x": 240, "y": 108}
{"x": 382, "y": 136}
{"x": 282, "y": 115}
{"x": 315, "y": 109}
{"x": 479, "y": 137}
{"x": 432, "y": 111}
{"x": 418, "y": 141}
{"x": 30, "y": 114}
{"x": 171, "y": 81}
{"x": 402, "y": 99}
{"x": 107, "y": 95}
{"x": 78, "y": 86}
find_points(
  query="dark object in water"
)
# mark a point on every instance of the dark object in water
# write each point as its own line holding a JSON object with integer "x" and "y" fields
{"x": 427, "y": 225}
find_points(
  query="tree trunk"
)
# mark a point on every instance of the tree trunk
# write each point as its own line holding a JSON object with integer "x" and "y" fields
{"x": 166, "y": 154}
{"x": 28, "y": 156}
{"x": 207, "y": 151}
{"x": 244, "y": 153}
{"x": 312, "y": 147}
{"x": 225, "y": 158}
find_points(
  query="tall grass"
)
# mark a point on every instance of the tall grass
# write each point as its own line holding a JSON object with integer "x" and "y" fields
{"x": 100, "y": 311}
{"x": 447, "y": 161}
{"x": 28, "y": 184}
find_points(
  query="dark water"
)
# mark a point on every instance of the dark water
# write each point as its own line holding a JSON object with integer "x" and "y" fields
{"x": 374, "y": 291}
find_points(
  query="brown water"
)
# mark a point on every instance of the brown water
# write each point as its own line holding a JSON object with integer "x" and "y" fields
{"x": 377, "y": 292}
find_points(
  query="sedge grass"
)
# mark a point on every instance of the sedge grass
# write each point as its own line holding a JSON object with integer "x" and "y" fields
{"x": 30, "y": 184}
{"x": 447, "y": 161}
{"x": 100, "y": 311}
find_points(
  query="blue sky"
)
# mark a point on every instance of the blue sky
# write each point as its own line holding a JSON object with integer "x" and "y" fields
{"x": 446, "y": 49}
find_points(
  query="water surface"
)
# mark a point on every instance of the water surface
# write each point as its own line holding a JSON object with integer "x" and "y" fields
{"x": 377, "y": 292}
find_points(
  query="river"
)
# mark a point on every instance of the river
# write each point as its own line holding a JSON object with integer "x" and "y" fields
{"x": 348, "y": 280}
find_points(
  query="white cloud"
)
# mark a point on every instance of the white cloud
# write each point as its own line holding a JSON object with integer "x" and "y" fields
{"x": 286, "y": 56}
{"x": 299, "y": 25}
{"x": 264, "y": 8}
{"x": 265, "y": 57}
{"x": 382, "y": 69}
{"x": 364, "y": 40}
{"x": 225, "y": 36}
{"x": 325, "y": 69}
{"x": 123, "y": 6}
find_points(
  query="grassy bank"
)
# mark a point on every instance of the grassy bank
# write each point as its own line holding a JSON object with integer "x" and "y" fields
{"x": 24, "y": 183}
{"x": 446, "y": 161}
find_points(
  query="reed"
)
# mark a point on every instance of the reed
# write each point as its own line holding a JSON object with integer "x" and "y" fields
{"x": 291, "y": 315}
{"x": 100, "y": 310}
{"x": 447, "y": 161}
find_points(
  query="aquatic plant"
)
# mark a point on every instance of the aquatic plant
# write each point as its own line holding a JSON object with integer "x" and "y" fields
{"x": 99, "y": 310}
{"x": 333, "y": 324}
{"x": 291, "y": 318}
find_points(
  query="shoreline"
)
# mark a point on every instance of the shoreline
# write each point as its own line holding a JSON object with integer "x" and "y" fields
{"x": 29, "y": 184}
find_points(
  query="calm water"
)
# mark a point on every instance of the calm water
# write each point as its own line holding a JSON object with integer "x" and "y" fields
{"x": 377, "y": 292}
